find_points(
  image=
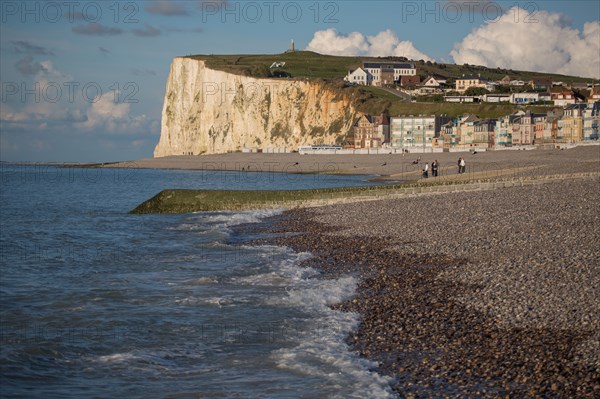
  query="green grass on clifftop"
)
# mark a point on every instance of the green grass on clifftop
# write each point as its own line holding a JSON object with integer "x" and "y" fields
{"x": 373, "y": 100}
{"x": 299, "y": 64}
{"x": 308, "y": 64}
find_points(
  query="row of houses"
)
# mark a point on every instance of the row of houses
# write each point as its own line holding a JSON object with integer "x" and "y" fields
{"x": 558, "y": 96}
{"x": 387, "y": 73}
{"x": 571, "y": 124}
{"x": 405, "y": 75}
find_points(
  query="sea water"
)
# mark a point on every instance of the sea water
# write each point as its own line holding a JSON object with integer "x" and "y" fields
{"x": 96, "y": 302}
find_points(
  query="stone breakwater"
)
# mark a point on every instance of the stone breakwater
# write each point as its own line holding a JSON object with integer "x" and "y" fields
{"x": 490, "y": 293}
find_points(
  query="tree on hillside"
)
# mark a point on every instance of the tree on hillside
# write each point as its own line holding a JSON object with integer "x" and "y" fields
{"x": 502, "y": 89}
{"x": 476, "y": 91}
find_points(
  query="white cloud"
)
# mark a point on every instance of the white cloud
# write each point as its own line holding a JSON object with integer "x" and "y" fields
{"x": 547, "y": 44}
{"x": 109, "y": 116}
{"x": 52, "y": 107}
{"x": 385, "y": 43}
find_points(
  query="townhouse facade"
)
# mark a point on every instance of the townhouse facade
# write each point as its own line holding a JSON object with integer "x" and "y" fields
{"x": 503, "y": 133}
{"x": 371, "y": 131}
{"x": 550, "y": 133}
{"x": 523, "y": 127}
{"x": 484, "y": 133}
{"x": 416, "y": 132}
{"x": 570, "y": 126}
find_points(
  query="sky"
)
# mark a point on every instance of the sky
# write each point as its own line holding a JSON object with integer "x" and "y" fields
{"x": 84, "y": 81}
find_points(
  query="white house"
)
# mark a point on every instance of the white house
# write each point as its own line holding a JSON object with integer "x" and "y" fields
{"x": 562, "y": 97}
{"x": 360, "y": 77}
{"x": 434, "y": 81}
{"x": 381, "y": 73}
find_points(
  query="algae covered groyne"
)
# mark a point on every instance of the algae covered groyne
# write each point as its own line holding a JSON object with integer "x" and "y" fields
{"x": 186, "y": 201}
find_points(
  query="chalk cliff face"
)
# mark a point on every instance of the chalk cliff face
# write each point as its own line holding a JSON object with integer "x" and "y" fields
{"x": 208, "y": 112}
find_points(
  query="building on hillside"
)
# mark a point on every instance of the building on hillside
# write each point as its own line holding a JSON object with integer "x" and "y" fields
{"x": 416, "y": 132}
{"x": 409, "y": 81}
{"x": 579, "y": 85}
{"x": 436, "y": 81}
{"x": 461, "y": 99}
{"x": 359, "y": 77}
{"x": 467, "y": 81}
{"x": 496, "y": 98}
{"x": 594, "y": 94}
{"x": 591, "y": 121}
{"x": 562, "y": 96}
{"x": 524, "y": 98}
{"x": 371, "y": 131}
{"x": 432, "y": 85}
{"x": 381, "y": 73}
{"x": 544, "y": 96}
{"x": 541, "y": 84}
{"x": 517, "y": 83}
{"x": 427, "y": 90}
{"x": 505, "y": 81}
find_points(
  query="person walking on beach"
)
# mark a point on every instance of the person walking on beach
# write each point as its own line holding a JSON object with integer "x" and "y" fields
{"x": 434, "y": 168}
{"x": 461, "y": 165}
{"x": 426, "y": 170}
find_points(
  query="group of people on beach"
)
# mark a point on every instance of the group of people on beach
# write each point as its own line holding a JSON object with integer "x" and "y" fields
{"x": 435, "y": 167}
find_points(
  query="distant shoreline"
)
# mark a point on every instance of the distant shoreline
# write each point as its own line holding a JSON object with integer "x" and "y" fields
{"x": 384, "y": 168}
{"x": 392, "y": 167}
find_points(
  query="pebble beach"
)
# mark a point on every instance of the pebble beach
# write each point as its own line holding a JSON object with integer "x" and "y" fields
{"x": 471, "y": 294}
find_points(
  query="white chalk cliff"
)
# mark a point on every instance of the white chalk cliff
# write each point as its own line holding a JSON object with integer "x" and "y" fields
{"x": 209, "y": 112}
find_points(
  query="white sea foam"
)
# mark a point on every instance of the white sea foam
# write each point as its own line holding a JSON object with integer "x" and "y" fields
{"x": 320, "y": 348}
{"x": 284, "y": 271}
{"x": 219, "y": 301}
{"x": 116, "y": 358}
{"x": 204, "y": 223}
{"x": 234, "y": 218}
